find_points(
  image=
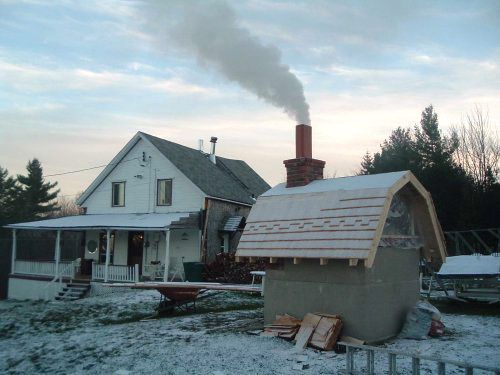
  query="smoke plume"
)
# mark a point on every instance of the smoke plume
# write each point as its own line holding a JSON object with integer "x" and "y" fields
{"x": 210, "y": 31}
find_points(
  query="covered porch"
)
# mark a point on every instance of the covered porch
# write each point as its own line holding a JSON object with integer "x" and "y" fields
{"x": 118, "y": 248}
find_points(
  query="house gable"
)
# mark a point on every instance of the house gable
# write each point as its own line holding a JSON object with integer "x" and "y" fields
{"x": 139, "y": 164}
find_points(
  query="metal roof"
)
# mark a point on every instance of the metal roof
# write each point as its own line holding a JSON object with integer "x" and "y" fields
{"x": 108, "y": 221}
{"x": 232, "y": 223}
{"x": 471, "y": 265}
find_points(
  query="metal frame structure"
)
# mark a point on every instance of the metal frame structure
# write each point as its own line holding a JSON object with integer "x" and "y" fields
{"x": 416, "y": 359}
{"x": 465, "y": 242}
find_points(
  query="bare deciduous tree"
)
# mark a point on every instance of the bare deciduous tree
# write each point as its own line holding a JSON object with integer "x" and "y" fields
{"x": 479, "y": 147}
{"x": 67, "y": 206}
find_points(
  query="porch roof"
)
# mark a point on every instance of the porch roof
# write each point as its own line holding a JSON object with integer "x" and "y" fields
{"x": 113, "y": 221}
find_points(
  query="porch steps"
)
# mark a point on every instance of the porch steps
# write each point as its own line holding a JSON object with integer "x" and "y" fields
{"x": 73, "y": 291}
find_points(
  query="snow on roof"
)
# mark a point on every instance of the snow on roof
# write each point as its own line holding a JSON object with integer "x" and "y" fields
{"x": 106, "y": 221}
{"x": 374, "y": 181}
{"x": 464, "y": 265}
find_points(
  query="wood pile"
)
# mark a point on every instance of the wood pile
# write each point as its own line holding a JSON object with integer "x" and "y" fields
{"x": 285, "y": 326}
{"x": 225, "y": 269}
{"x": 318, "y": 330}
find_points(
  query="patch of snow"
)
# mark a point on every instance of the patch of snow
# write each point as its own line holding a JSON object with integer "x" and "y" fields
{"x": 374, "y": 181}
{"x": 471, "y": 265}
{"x": 108, "y": 334}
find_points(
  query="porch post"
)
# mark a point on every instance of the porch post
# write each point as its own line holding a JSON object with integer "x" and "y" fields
{"x": 108, "y": 250}
{"x": 167, "y": 254}
{"x": 14, "y": 251}
{"x": 58, "y": 252}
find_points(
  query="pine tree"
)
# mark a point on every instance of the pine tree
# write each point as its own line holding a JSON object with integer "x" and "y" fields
{"x": 36, "y": 196}
{"x": 366, "y": 164}
{"x": 8, "y": 193}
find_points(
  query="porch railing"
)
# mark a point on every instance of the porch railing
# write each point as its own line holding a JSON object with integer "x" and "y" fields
{"x": 43, "y": 268}
{"x": 116, "y": 273}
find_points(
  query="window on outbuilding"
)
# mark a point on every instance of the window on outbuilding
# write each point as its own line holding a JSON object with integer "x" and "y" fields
{"x": 118, "y": 194}
{"x": 164, "y": 192}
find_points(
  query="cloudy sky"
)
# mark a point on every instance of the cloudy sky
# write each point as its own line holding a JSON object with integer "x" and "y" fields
{"x": 78, "y": 79}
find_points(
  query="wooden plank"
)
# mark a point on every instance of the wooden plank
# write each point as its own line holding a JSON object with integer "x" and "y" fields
{"x": 306, "y": 330}
{"x": 303, "y": 337}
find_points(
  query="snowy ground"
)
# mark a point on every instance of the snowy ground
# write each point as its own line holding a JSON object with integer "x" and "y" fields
{"x": 106, "y": 334}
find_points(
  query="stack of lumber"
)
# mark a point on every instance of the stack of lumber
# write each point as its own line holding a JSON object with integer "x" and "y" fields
{"x": 319, "y": 330}
{"x": 285, "y": 326}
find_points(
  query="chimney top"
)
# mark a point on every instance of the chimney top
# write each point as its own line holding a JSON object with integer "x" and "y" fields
{"x": 303, "y": 141}
{"x": 212, "y": 158}
{"x": 303, "y": 169}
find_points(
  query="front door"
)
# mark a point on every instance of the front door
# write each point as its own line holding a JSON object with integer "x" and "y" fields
{"x": 135, "y": 249}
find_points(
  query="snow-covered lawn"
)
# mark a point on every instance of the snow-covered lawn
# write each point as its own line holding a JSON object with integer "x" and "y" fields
{"x": 108, "y": 335}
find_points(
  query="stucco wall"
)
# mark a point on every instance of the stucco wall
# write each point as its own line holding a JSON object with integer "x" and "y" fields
{"x": 31, "y": 289}
{"x": 372, "y": 302}
{"x": 140, "y": 193}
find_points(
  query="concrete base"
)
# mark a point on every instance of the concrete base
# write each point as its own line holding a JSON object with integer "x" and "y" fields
{"x": 32, "y": 289}
{"x": 372, "y": 302}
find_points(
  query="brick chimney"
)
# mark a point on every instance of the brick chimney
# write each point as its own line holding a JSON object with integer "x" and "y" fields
{"x": 303, "y": 169}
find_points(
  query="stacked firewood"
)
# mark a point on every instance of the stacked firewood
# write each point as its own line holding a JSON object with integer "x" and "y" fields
{"x": 225, "y": 269}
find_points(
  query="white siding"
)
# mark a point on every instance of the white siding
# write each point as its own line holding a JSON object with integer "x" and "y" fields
{"x": 140, "y": 193}
{"x": 189, "y": 249}
{"x": 121, "y": 247}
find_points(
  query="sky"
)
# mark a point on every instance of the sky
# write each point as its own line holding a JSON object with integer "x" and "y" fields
{"x": 79, "y": 79}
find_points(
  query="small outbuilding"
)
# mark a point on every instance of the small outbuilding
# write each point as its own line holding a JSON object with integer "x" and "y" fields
{"x": 350, "y": 246}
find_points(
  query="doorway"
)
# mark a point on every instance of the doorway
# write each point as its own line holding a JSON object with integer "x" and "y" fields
{"x": 135, "y": 249}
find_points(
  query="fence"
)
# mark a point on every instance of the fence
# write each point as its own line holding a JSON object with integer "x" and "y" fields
{"x": 115, "y": 273}
{"x": 42, "y": 268}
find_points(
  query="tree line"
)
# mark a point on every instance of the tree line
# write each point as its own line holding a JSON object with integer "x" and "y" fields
{"x": 27, "y": 197}
{"x": 460, "y": 170}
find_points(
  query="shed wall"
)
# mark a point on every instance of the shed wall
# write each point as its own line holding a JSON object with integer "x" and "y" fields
{"x": 373, "y": 301}
{"x": 217, "y": 214}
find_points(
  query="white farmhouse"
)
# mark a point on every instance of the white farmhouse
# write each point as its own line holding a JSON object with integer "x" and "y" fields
{"x": 156, "y": 206}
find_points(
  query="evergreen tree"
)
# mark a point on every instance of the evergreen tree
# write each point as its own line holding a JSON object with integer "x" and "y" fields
{"x": 429, "y": 156}
{"x": 366, "y": 164}
{"x": 8, "y": 194}
{"x": 36, "y": 196}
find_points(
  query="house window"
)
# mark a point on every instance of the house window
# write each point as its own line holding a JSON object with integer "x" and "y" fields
{"x": 118, "y": 194}
{"x": 164, "y": 193}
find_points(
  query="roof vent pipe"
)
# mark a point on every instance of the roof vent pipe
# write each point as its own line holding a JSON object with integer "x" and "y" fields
{"x": 200, "y": 145}
{"x": 213, "y": 141}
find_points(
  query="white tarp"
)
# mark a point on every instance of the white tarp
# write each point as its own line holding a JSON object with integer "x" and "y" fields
{"x": 106, "y": 221}
{"x": 471, "y": 265}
